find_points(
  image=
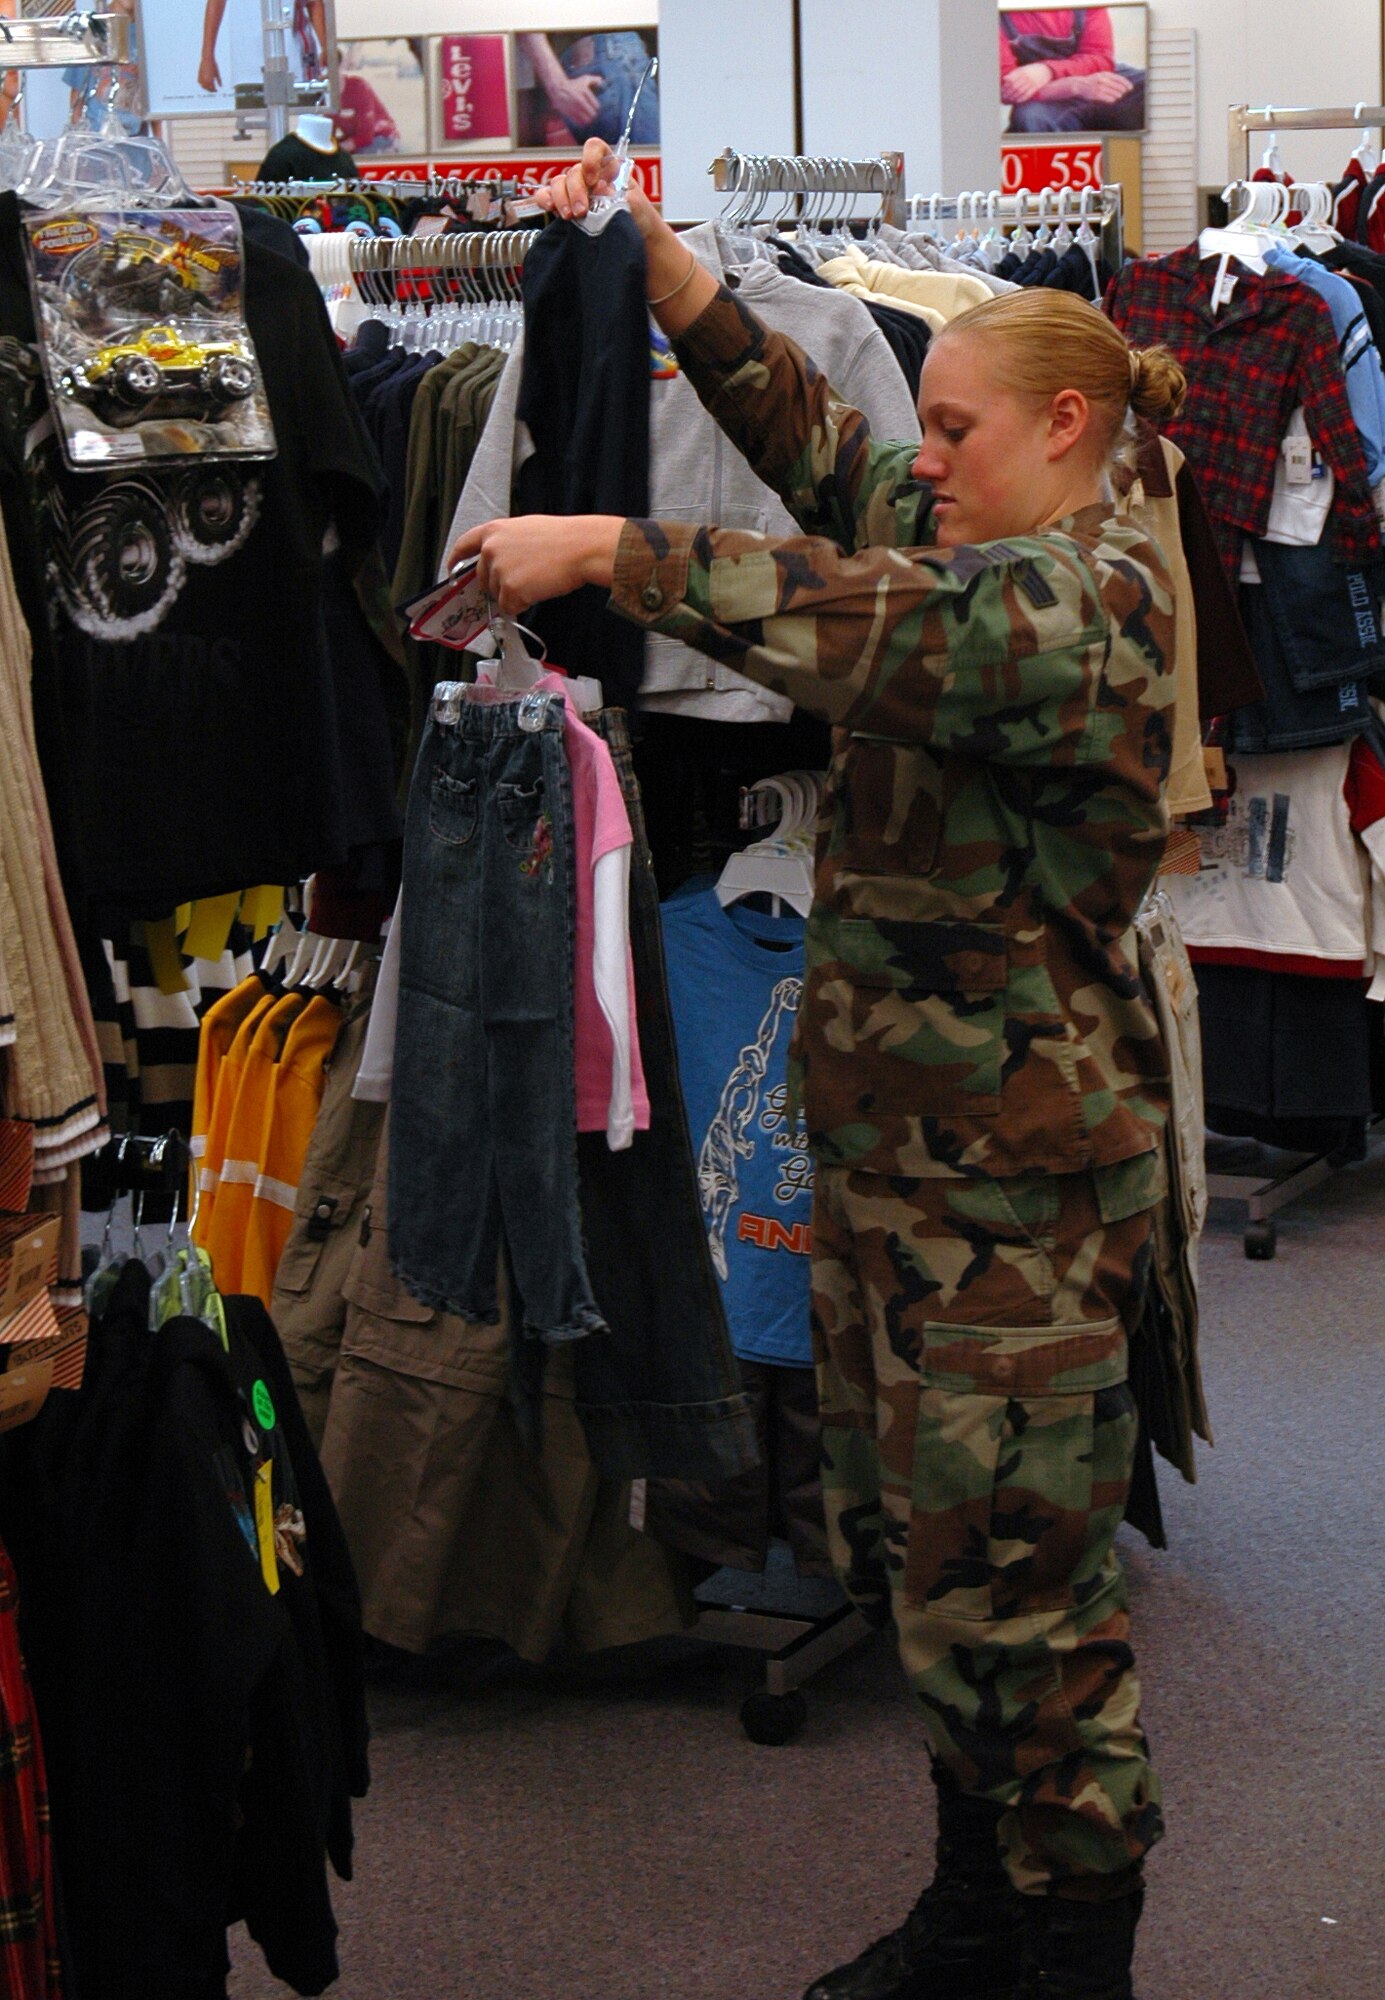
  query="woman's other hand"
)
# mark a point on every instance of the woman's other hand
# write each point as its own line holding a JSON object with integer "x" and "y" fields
{"x": 537, "y": 556}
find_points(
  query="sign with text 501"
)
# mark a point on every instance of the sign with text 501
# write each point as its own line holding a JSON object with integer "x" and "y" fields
{"x": 1033, "y": 169}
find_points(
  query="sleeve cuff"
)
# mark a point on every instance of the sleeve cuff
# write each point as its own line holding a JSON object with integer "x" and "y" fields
{"x": 651, "y": 569}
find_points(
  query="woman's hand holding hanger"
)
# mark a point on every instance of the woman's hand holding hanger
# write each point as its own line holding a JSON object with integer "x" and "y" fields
{"x": 679, "y": 288}
{"x": 532, "y": 557}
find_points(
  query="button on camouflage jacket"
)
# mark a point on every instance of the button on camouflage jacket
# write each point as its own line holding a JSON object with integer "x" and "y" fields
{"x": 995, "y": 811}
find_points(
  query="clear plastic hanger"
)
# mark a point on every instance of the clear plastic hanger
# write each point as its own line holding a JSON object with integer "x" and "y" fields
{"x": 1089, "y": 241}
{"x": 1248, "y": 235}
{"x": 781, "y": 865}
{"x": 1366, "y": 154}
{"x": 1314, "y": 200}
{"x": 602, "y": 209}
{"x": 1271, "y": 161}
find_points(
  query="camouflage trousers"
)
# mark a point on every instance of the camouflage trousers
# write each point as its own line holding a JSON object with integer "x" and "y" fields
{"x": 978, "y": 1440}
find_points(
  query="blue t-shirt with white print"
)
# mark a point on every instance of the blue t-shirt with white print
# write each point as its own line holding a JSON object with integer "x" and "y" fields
{"x": 735, "y": 981}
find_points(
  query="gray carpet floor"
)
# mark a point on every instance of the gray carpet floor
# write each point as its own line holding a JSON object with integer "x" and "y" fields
{"x": 614, "y": 1836}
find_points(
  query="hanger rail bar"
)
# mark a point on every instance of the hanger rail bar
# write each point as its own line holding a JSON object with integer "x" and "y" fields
{"x": 52, "y": 42}
{"x": 801, "y": 174}
{"x": 1244, "y": 119}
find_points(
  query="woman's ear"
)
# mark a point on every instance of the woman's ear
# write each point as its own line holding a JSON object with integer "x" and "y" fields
{"x": 1069, "y": 421}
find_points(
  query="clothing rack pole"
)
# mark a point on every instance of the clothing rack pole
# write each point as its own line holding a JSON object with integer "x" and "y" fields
{"x": 798, "y": 174}
{"x": 1104, "y": 205}
{"x": 77, "y": 39}
{"x": 1242, "y": 120}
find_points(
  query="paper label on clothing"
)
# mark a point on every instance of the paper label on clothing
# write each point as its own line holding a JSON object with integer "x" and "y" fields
{"x": 1176, "y": 979}
{"x": 23, "y": 1392}
{"x": 1214, "y": 767}
{"x": 639, "y": 1504}
{"x": 452, "y": 614}
{"x": 1298, "y": 460}
{"x": 264, "y": 1525}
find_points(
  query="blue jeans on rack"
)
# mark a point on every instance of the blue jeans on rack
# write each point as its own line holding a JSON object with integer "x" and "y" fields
{"x": 1327, "y": 615}
{"x": 483, "y": 1119}
{"x": 1289, "y": 718}
{"x": 620, "y": 59}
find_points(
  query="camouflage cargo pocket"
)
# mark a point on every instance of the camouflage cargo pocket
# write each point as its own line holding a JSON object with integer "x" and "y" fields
{"x": 1021, "y": 1465}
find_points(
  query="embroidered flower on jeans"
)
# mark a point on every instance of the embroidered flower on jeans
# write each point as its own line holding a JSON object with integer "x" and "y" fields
{"x": 541, "y": 853}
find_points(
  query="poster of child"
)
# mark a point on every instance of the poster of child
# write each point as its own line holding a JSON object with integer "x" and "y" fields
{"x": 1073, "y": 69}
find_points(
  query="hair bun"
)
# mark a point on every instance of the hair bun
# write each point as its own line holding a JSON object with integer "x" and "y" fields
{"x": 1157, "y": 385}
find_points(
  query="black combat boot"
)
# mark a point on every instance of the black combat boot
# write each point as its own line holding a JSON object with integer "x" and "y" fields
{"x": 964, "y": 1938}
{"x": 1081, "y": 1951}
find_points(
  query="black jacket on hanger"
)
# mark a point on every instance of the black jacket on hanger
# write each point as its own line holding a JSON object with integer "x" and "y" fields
{"x": 202, "y": 1734}
{"x": 584, "y": 395}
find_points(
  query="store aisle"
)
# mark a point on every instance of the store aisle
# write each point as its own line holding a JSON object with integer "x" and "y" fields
{"x": 627, "y": 1843}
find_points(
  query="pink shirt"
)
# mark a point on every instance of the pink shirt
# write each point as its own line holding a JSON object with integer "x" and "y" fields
{"x": 610, "y": 1074}
{"x": 612, "y": 1096}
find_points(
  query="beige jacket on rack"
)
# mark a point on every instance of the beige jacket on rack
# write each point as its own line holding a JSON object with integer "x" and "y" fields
{"x": 934, "y": 296}
{"x": 53, "y": 1077}
{"x": 1153, "y": 502}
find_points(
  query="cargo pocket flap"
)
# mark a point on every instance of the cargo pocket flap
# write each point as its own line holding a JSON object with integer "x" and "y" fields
{"x": 1025, "y": 1361}
{"x": 940, "y": 956}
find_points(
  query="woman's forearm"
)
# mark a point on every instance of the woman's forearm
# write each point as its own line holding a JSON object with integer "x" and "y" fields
{"x": 680, "y": 289}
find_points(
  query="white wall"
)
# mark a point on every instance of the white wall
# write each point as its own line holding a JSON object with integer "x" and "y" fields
{"x": 920, "y": 76}
{"x": 481, "y": 17}
{"x": 1290, "y": 52}
{"x": 725, "y": 79}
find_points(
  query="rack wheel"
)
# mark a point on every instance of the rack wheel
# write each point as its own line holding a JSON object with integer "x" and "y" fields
{"x": 1262, "y": 1240}
{"x": 773, "y": 1718}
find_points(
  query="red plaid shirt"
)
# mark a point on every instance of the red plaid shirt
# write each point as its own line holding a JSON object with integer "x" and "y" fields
{"x": 1271, "y": 347}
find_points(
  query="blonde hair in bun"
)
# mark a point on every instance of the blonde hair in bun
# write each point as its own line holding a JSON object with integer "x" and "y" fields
{"x": 1050, "y": 341}
{"x": 1157, "y": 385}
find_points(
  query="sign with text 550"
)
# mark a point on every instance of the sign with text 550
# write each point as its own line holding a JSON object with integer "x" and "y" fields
{"x": 1032, "y": 169}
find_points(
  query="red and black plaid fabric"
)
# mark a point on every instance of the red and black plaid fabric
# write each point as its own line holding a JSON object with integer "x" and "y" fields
{"x": 30, "y": 1968}
{"x": 1271, "y": 347}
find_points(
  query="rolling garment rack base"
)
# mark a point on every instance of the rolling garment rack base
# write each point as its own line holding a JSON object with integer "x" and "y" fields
{"x": 796, "y": 1646}
{"x": 1265, "y": 1194}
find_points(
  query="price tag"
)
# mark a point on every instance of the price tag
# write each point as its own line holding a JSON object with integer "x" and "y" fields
{"x": 1298, "y": 460}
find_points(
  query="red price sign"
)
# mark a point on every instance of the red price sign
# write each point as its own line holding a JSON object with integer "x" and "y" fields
{"x": 526, "y": 170}
{"x": 1033, "y": 169}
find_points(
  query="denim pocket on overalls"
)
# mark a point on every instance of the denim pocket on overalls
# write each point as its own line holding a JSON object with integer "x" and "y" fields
{"x": 453, "y": 811}
{"x": 1022, "y": 1448}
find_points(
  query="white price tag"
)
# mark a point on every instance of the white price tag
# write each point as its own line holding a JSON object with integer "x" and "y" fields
{"x": 1298, "y": 461}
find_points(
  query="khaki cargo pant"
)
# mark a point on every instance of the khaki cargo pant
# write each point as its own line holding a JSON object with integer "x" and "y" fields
{"x": 978, "y": 1439}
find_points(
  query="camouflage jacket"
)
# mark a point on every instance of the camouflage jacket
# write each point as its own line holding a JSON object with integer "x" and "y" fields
{"x": 995, "y": 804}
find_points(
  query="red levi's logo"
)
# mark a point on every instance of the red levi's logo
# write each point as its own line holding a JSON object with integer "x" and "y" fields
{"x": 767, "y": 1234}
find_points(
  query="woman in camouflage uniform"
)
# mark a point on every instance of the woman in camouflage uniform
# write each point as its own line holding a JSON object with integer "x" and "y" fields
{"x": 980, "y": 1069}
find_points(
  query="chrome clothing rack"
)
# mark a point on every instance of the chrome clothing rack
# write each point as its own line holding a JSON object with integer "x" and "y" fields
{"x": 1099, "y": 207}
{"x": 79, "y": 38}
{"x": 1242, "y": 121}
{"x": 824, "y": 188}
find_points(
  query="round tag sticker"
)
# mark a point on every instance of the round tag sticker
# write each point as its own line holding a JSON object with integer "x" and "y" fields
{"x": 264, "y": 1406}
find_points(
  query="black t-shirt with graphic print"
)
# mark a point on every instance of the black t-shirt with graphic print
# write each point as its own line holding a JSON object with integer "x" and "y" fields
{"x": 197, "y": 693}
